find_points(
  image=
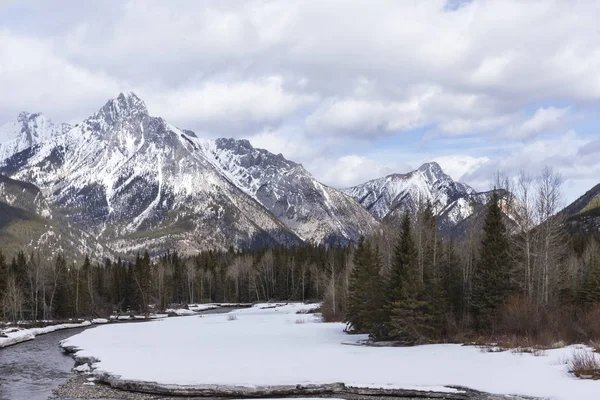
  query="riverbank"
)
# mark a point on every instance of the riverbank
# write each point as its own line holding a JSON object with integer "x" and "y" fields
{"x": 11, "y": 335}
{"x": 81, "y": 387}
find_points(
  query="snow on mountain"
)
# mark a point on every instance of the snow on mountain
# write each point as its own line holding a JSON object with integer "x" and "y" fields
{"x": 314, "y": 211}
{"x": 135, "y": 181}
{"x": 27, "y": 130}
{"x": 389, "y": 197}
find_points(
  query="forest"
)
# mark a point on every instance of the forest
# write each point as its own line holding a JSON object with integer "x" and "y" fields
{"x": 515, "y": 274}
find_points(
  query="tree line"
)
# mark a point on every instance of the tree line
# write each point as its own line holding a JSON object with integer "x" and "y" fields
{"x": 34, "y": 287}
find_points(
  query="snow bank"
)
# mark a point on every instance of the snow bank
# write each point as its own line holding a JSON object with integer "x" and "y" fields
{"x": 140, "y": 317}
{"x": 202, "y": 307}
{"x": 180, "y": 311}
{"x": 278, "y": 346}
{"x": 18, "y": 335}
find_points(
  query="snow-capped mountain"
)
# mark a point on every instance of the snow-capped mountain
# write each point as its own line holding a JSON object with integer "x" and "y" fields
{"x": 389, "y": 197}
{"x": 394, "y": 194}
{"x": 135, "y": 181}
{"x": 25, "y": 131}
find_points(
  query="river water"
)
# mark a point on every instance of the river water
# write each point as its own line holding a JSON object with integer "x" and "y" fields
{"x": 31, "y": 370}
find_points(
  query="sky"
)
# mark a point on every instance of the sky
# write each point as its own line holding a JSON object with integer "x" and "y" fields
{"x": 352, "y": 90}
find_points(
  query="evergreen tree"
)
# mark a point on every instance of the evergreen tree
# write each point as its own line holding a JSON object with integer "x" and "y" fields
{"x": 590, "y": 290}
{"x": 143, "y": 282}
{"x": 366, "y": 300}
{"x": 410, "y": 317}
{"x": 64, "y": 296}
{"x": 491, "y": 280}
{"x": 402, "y": 278}
{"x": 3, "y": 277}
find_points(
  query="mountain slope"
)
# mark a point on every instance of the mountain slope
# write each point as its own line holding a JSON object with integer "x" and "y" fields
{"x": 136, "y": 182}
{"x": 314, "y": 211}
{"x": 28, "y": 222}
{"x": 583, "y": 215}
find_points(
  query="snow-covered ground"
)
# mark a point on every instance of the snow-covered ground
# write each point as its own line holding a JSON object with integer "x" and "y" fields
{"x": 18, "y": 335}
{"x": 276, "y": 346}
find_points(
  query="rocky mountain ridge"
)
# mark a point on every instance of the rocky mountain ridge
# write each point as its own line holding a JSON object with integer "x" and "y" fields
{"x": 135, "y": 181}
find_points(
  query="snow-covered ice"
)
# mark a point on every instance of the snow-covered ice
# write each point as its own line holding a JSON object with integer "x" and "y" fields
{"x": 18, "y": 335}
{"x": 278, "y": 346}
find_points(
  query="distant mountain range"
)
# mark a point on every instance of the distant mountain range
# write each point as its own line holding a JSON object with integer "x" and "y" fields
{"x": 123, "y": 180}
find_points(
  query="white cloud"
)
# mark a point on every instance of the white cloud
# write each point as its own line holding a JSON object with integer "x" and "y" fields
{"x": 363, "y": 118}
{"x": 458, "y": 166}
{"x": 226, "y": 106}
{"x": 571, "y": 154}
{"x": 545, "y": 119}
{"x": 348, "y": 170}
{"x": 34, "y": 78}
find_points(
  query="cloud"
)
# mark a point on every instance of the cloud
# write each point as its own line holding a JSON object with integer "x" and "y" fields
{"x": 545, "y": 119}
{"x": 33, "y": 78}
{"x": 363, "y": 118}
{"x": 575, "y": 156}
{"x": 458, "y": 166}
{"x": 350, "y": 170}
{"x": 422, "y": 105}
{"x": 230, "y": 108}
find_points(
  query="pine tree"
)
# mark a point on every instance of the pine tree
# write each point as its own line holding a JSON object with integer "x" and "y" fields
{"x": 491, "y": 280}
{"x": 3, "y": 276}
{"x": 143, "y": 282}
{"x": 365, "y": 312}
{"x": 402, "y": 278}
{"x": 590, "y": 290}
{"x": 64, "y": 296}
{"x": 410, "y": 318}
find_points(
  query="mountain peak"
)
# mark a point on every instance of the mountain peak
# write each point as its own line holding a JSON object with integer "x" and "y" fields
{"x": 432, "y": 171}
{"x": 25, "y": 116}
{"x": 126, "y": 104}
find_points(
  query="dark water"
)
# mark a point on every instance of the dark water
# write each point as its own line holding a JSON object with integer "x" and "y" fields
{"x": 31, "y": 370}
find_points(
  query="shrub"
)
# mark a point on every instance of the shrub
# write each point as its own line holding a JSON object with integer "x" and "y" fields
{"x": 300, "y": 321}
{"x": 585, "y": 364}
{"x": 231, "y": 317}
